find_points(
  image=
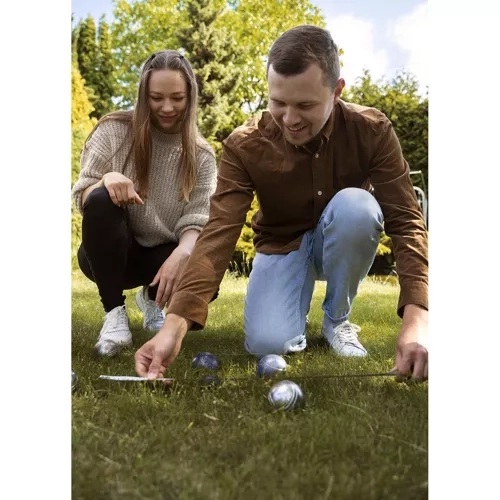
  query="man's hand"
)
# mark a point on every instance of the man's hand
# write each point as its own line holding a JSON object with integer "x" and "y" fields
{"x": 156, "y": 355}
{"x": 169, "y": 274}
{"x": 411, "y": 347}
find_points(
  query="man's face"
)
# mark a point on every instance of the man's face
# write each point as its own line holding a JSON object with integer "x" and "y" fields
{"x": 301, "y": 104}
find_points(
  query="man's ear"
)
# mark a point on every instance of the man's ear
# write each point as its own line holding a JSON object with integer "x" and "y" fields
{"x": 338, "y": 90}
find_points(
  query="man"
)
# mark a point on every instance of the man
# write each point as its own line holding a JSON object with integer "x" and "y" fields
{"x": 327, "y": 175}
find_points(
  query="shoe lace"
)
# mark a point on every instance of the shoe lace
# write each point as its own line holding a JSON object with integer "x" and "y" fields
{"x": 152, "y": 312}
{"x": 117, "y": 316}
{"x": 347, "y": 332}
{"x": 155, "y": 313}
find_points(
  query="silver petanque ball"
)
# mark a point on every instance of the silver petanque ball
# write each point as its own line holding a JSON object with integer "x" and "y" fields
{"x": 205, "y": 360}
{"x": 286, "y": 395}
{"x": 270, "y": 365}
{"x": 106, "y": 349}
{"x": 74, "y": 381}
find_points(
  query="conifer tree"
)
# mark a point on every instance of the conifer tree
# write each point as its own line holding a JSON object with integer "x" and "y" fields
{"x": 87, "y": 53}
{"x": 213, "y": 53}
{"x": 105, "y": 84}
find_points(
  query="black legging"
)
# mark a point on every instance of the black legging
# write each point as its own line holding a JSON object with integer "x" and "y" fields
{"x": 109, "y": 254}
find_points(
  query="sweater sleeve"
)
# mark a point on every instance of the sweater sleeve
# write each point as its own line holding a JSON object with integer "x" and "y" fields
{"x": 195, "y": 212}
{"x": 93, "y": 162}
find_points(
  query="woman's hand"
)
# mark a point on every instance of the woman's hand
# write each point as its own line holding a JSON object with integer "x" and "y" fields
{"x": 121, "y": 189}
{"x": 169, "y": 274}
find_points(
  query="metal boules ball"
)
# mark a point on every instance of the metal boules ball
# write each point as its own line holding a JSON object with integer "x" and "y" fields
{"x": 270, "y": 365}
{"x": 211, "y": 381}
{"x": 106, "y": 349}
{"x": 205, "y": 360}
{"x": 74, "y": 381}
{"x": 286, "y": 395}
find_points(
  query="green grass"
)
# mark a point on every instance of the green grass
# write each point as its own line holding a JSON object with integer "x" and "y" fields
{"x": 357, "y": 439}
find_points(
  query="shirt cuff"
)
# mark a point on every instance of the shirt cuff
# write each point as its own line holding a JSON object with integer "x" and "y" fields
{"x": 191, "y": 307}
{"x": 415, "y": 292}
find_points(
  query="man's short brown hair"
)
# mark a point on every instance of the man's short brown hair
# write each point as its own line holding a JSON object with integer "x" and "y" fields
{"x": 296, "y": 49}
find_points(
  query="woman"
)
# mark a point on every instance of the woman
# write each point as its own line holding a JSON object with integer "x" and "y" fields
{"x": 144, "y": 189}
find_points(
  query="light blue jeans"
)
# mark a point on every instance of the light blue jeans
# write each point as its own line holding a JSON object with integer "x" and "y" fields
{"x": 340, "y": 250}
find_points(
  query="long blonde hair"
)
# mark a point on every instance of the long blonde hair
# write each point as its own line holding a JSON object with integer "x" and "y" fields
{"x": 140, "y": 123}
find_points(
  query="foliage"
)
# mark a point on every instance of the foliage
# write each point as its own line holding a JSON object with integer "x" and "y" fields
{"x": 139, "y": 29}
{"x": 74, "y": 40}
{"x": 93, "y": 52}
{"x": 213, "y": 52}
{"x": 87, "y": 56}
{"x": 81, "y": 125}
{"x": 248, "y": 28}
{"x": 80, "y": 103}
{"x": 105, "y": 85}
{"x": 244, "y": 253}
{"x": 257, "y": 24}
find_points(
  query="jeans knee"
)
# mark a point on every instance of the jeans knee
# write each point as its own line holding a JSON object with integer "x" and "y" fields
{"x": 262, "y": 345}
{"x": 355, "y": 212}
{"x": 98, "y": 199}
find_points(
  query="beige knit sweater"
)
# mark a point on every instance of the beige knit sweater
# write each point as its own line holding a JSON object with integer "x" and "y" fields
{"x": 162, "y": 218}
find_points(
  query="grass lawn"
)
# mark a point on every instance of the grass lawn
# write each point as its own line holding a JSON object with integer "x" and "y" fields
{"x": 357, "y": 439}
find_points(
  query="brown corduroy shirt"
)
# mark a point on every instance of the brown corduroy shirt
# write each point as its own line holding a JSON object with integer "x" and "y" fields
{"x": 356, "y": 148}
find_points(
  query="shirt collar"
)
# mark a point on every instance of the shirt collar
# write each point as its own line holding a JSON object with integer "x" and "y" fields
{"x": 328, "y": 127}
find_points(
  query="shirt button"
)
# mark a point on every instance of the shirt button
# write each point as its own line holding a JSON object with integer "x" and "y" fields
{"x": 316, "y": 155}
{"x": 320, "y": 192}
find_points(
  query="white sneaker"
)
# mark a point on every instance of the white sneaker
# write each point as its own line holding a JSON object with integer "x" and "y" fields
{"x": 343, "y": 339}
{"x": 115, "y": 333}
{"x": 153, "y": 315}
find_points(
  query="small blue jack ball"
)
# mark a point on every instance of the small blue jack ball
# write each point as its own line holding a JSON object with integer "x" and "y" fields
{"x": 270, "y": 365}
{"x": 205, "y": 360}
{"x": 286, "y": 395}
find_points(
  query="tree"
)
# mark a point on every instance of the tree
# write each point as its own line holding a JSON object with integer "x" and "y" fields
{"x": 74, "y": 39}
{"x": 87, "y": 55}
{"x": 105, "y": 85}
{"x": 213, "y": 52}
{"x": 257, "y": 24}
{"x": 81, "y": 107}
{"x": 143, "y": 26}
{"x": 139, "y": 29}
{"x": 81, "y": 125}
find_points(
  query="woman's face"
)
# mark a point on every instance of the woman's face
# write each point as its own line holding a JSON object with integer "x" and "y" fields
{"x": 167, "y": 98}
